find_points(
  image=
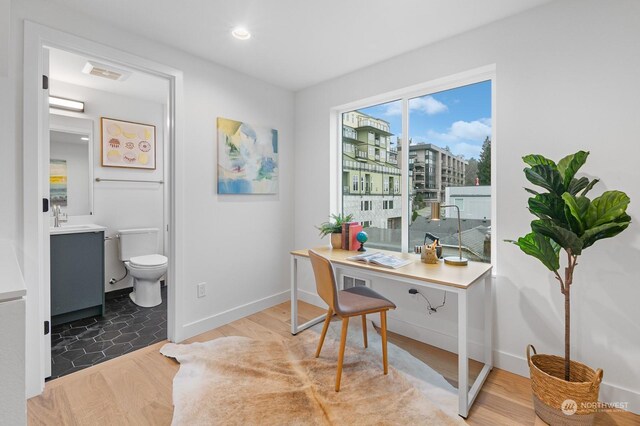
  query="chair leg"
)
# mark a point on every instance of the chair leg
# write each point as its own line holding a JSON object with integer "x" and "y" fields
{"x": 383, "y": 325}
{"x": 325, "y": 327}
{"x": 364, "y": 331}
{"x": 343, "y": 341}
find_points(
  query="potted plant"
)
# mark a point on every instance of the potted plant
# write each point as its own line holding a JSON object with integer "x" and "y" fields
{"x": 566, "y": 391}
{"x": 334, "y": 228}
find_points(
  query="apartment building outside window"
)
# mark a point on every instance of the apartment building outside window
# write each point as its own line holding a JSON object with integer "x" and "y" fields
{"x": 445, "y": 135}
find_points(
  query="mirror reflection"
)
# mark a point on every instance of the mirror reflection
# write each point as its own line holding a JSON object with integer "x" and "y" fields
{"x": 69, "y": 176}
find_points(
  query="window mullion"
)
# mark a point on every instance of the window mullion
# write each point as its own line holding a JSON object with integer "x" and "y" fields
{"x": 404, "y": 175}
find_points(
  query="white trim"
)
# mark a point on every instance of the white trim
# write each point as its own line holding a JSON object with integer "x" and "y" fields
{"x": 477, "y": 75}
{"x": 36, "y": 38}
{"x": 233, "y": 314}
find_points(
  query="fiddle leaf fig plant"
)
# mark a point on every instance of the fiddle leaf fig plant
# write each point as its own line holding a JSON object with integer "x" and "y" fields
{"x": 568, "y": 220}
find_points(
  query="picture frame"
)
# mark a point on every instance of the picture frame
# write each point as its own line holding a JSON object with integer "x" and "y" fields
{"x": 127, "y": 144}
{"x": 247, "y": 158}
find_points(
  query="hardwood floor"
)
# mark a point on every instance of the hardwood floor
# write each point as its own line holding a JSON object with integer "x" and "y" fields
{"x": 136, "y": 389}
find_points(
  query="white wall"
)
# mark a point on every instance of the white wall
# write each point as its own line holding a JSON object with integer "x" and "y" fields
{"x": 236, "y": 244}
{"x": 567, "y": 79}
{"x": 120, "y": 205}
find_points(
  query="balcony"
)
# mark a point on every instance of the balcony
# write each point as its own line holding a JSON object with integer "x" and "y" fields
{"x": 367, "y": 122}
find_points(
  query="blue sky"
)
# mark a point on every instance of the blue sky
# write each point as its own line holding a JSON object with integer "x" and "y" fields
{"x": 459, "y": 118}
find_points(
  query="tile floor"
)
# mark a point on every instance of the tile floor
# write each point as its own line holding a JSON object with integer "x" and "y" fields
{"x": 124, "y": 327}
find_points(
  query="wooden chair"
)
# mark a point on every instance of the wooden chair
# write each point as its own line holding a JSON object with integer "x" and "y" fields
{"x": 346, "y": 304}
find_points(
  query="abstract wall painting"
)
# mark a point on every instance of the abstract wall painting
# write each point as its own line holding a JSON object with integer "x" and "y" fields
{"x": 127, "y": 144}
{"x": 247, "y": 158}
{"x": 58, "y": 182}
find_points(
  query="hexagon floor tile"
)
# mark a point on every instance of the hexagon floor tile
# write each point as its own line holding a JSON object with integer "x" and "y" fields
{"x": 125, "y": 327}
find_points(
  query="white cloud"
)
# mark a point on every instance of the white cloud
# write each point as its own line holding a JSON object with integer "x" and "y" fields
{"x": 463, "y": 137}
{"x": 427, "y": 104}
{"x": 467, "y": 150}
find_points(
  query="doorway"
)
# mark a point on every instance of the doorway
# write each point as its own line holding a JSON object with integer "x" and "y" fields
{"x": 37, "y": 269}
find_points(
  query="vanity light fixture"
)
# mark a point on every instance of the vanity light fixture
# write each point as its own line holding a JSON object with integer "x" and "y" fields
{"x": 66, "y": 104}
{"x": 241, "y": 33}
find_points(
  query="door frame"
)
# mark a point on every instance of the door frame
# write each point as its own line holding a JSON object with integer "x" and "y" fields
{"x": 37, "y": 38}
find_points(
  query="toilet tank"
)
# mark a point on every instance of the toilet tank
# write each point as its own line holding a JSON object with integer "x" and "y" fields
{"x": 138, "y": 242}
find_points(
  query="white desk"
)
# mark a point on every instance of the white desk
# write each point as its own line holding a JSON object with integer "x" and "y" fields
{"x": 454, "y": 279}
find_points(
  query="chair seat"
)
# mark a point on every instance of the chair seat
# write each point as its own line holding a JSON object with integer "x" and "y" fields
{"x": 361, "y": 299}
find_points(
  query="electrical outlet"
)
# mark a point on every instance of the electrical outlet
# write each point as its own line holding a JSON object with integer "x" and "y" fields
{"x": 202, "y": 289}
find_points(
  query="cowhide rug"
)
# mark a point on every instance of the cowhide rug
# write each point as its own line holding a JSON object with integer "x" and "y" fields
{"x": 242, "y": 381}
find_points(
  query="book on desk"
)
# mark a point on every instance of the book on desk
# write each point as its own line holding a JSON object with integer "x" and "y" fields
{"x": 379, "y": 259}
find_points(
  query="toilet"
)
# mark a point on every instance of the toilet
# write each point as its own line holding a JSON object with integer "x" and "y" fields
{"x": 139, "y": 252}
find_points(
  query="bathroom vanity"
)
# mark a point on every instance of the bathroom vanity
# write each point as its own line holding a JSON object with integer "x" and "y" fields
{"x": 77, "y": 272}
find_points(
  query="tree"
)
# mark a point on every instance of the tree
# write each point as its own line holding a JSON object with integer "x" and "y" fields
{"x": 471, "y": 172}
{"x": 484, "y": 164}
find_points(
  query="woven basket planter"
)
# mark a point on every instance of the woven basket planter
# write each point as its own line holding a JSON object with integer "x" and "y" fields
{"x": 557, "y": 401}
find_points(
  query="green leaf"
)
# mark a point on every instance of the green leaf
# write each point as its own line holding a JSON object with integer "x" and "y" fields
{"x": 567, "y": 239}
{"x": 606, "y": 230}
{"x": 577, "y": 185}
{"x": 538, "y": 160}
{"x": 539, "y": 247}
{"x": 531, "y": 191}
{"x": 569, "y": 165}
{"x": 607, "y": 208}
{"x": 547, "y": 177}
{"x": 547, "y": 206}
{"x": 575, "y": 209}
{"x": 590, "y": 186}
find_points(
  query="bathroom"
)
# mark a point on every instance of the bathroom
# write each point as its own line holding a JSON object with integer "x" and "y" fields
{"x": 108, "y": 210}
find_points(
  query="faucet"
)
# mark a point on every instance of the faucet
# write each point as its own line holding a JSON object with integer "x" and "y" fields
{"x": 58, "y": 216}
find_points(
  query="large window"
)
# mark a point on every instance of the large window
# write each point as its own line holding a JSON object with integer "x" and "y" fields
{"x": 448, "y": 160}
{"x": 377, "y": 204}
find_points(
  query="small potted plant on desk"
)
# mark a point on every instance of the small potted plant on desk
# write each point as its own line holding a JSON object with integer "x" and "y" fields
{"x": 565, "y": 392}
{"x": 334, "y": 228}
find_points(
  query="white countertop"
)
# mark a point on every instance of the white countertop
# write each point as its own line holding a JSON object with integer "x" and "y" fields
{"x": 11, "y": 283}
{"x": 76, "y": 229}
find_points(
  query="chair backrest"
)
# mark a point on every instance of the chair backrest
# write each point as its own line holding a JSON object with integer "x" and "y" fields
{"x": 325, "y": 279}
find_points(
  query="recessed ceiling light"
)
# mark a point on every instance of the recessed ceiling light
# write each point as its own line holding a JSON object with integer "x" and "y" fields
{"x": 84, "y": 138}
{"x": 241, "y": 33}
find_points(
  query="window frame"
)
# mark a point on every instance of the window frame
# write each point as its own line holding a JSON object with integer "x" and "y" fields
{"x": 485, "y": 73}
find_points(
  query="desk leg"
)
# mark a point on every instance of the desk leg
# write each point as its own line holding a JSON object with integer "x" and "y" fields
{"x": 488, "y": 322}
{"x": 294, "y": 295}
{"x": 463, "y": 357}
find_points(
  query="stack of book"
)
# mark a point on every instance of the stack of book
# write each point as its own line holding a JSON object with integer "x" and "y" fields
{"x": 349, "y": 232}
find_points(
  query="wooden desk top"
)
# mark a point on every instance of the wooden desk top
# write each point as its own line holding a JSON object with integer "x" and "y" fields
{"x": 453, "y": 276}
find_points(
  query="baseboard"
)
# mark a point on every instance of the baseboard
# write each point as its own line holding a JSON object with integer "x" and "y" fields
{"x": 214, "y": 321}
{"x": 432, "y": 337}
{"x": 311, "y": 298}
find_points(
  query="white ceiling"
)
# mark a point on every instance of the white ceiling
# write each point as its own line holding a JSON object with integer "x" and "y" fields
{"x": 298, "y": 43}
{"x": 67, "y": 67}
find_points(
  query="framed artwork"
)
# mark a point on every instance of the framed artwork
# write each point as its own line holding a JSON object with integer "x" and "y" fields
{"x": 127, "y": 144}
{"x": 247, "y": 158}
{"x": 58, "y": 182}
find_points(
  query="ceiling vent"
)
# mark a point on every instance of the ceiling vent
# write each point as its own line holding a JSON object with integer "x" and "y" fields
{"x": 105, "y": 71}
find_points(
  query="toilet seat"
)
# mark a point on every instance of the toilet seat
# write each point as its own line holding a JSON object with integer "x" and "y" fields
{"x": 148, "y": 261}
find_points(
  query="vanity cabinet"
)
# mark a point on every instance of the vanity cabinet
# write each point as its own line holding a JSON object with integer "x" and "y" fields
{"x": 77, "y": 276}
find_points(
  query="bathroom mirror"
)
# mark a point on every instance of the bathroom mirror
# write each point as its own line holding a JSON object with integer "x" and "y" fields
{"x": 71, "y": 165}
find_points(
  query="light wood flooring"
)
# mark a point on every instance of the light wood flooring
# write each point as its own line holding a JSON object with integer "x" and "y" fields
{"x": 135, "y": 389}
